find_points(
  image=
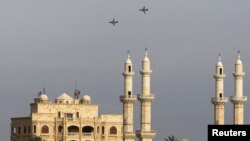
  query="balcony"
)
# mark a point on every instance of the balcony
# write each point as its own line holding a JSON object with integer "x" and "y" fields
{"x": 236, "y": 99}
{"x": 219, "y": 100}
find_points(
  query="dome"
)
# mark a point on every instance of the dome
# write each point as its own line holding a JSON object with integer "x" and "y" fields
{"x": 64, "y": 96}
{"x": 238, "y": 61}
{"x": 219, "y": 64}
{"x": 86, "y": 98}
{"x": 43, "y": 97}
{"x": 146, "y": 59}
{"x": 128, "y": 61}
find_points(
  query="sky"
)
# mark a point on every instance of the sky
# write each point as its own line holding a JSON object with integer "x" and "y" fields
{"x": 59, "y": 43}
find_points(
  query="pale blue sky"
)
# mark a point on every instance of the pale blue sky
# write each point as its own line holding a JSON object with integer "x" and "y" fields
{"x": 60, "y": 42}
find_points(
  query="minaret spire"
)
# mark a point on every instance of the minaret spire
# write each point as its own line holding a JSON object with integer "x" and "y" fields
{"x": 146, "y": 97}
{"x": 44, "y": 92}
{"x": 238, "y": 99}
{"x": 219, "y": 100}
{"x": 128, "y": 100}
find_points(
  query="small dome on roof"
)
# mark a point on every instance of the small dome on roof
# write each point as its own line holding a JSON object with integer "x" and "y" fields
{"x": 64, "y": 96}
{"x": 86, "y": 98}
{"x": 43, "y": 97}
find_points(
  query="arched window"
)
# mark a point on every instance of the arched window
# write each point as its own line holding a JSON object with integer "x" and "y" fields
{"x": 45, "y": 129}
{"x": 98, "y": 129}
{"x": 113, "y": 130}
{"x": 24, "y": 129}
{"x": 220, "y": 71}
{"x": 87, "y": 129}
{"x": 102, "y": 129}
{"x": 60, "y": 129}
{"x": 129, "y": 68}
{"x": 59, "y": 114}
{"x": 73, "y": 129}
{"x": 34, "y": 129}
{"x": 14, "y": 130}
{"x": 19, "y": 130}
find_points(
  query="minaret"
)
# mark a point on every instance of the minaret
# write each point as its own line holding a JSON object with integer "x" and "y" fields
{"x": 219, "y": 100}
{"x": 128, "y": 100}
{"x": 238, "y": 99}
{"x": 145, "y": 133}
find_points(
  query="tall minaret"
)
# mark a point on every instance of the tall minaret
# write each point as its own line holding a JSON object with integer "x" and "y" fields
{"x": 238, "y": 99}
{"x": 146, "y": 133}
{"x": 219, "y": 100}
{"x": 128, "y": 100}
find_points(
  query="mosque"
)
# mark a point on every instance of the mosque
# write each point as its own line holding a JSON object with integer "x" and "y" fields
{"x": 77, "y": 119}
{"x": 237, "y": 100}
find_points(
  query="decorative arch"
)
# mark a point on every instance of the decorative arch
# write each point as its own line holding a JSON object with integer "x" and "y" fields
{"x": 73, "y": 129}
{"x": 113, "y": 130}
{"x": 87, "y": 129}
{"x": 45, "y": 129}
{"x": 60, "y": 129}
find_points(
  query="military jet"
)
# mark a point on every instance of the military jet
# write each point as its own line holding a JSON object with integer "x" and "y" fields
{"x": 113, "y": 22}
{"x": 144, "y": 9}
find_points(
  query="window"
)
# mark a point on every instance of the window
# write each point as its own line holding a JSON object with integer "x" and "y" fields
{"x": 59, "y": 114}
{"x": 60, "y": 129}
{"x": 220, "y": 70}
{"x": 77, "y": 114}
{"x": 19, "y": 130}
{"x": 73, "y": 129}
{"x": 69, "y": 115}
{"x": 14, "y": 130}
{"x": 29, "y": 129}
{"x": 87, "y": 129}
{"x": 129, "y": 68}
{"x": 97, "y": 129}
{"x": 24, "y": 129}
{"x": 102, "y": 129}
{"x": 113, "y": 130}
{"x": 45, "y": 129}
{"x": 129, "y": 93}
{"x": 34, "y": 128}
{"x": 220, "y": 95}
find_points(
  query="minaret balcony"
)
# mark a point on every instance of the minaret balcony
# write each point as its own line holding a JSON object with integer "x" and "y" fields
{"x": 237, "y": 99}
{"x": 129, "y": 135}
{"x": 143, "y": 97}
{"x": 215, "y": 100}
{"x": 146, "y": 134}
{"x": 128, "y": 98}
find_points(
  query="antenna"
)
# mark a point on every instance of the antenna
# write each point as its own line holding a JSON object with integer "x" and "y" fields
{"x": 239, "y": 54}
{"x": 43, "y": 87}
{"x": 219, "y": 56}
{"x": 128, "y": 53}
{"x": 77, "y": 92}
{"x": 146, "y": 50}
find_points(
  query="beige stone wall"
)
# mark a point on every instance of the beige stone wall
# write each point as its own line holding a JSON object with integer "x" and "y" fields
{"x": 83, "y": 116}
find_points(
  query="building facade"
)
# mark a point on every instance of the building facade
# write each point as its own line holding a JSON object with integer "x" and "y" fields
{"x": 77, "y": 119}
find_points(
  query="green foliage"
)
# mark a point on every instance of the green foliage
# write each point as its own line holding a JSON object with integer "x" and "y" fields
{"x": 171, "y": 138}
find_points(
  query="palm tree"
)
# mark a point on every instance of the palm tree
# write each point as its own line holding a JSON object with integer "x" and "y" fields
{"x": 171, "y": 138}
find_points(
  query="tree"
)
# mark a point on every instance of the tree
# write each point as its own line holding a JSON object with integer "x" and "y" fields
{"x": 36, "y": 138}
{"x": 171, "y": 138}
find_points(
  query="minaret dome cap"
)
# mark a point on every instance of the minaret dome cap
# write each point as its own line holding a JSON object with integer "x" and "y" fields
{"x": 219, "y": 64}
{"x": 238, "y": 61}
{"x": 146, "y": 59}
{"x": 128, "y": 61}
